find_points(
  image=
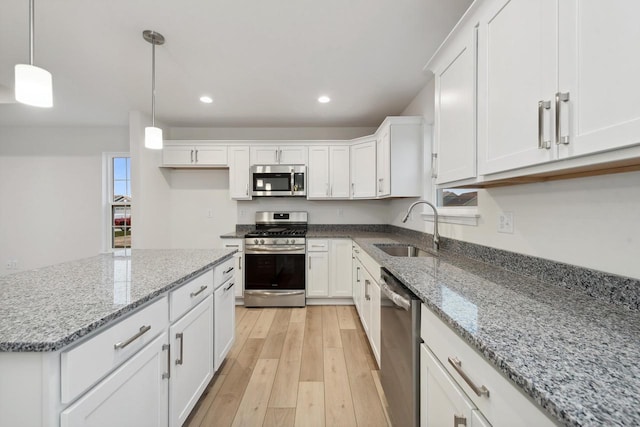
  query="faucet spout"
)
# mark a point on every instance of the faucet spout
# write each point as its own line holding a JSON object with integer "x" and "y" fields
{"x": 436, "y": 235}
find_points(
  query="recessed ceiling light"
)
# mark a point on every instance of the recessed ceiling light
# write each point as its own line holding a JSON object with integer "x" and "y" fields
{"x": 324, "y": 99}
{"x": 206, "y": 99}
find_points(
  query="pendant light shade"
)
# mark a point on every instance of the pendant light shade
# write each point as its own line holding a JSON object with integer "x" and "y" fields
{"x": 152, "y": 134}
{"x": 33, "y": 85}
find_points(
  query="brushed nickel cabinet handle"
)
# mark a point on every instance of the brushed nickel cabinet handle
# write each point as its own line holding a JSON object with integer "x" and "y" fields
{"x": 198, "y": 292}
{"x": 240, "y": 263}
{"x": 123, "y": 344}
{"x": 560, "y": 97}
{"x": 542, "y": 105}
{"x": 358, "y": 274}
{"x": 366, "y": 290}
{"x": 231, "y": 246}
{"x": 459, "y": 421}
{"x": 229, "y": 287}
{"x": 228, "y": 270}
{"x": 191, "y": 156}
{"x": 196, "y": 156}
{"x": 309, "y": 262}
{"x": 167, "y": 375}
{"x": 457, "y": 365}
{"x": 180, "y": 336}
{"x": 434, "y": 163}
{"x": 247, "y": 190}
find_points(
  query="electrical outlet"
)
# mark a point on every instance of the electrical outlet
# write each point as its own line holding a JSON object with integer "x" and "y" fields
{"x": 505, "y": 222}
{"x": 340, "y": 212}
{"x": 12, "y": 264}
{"x": 243, "y": 213}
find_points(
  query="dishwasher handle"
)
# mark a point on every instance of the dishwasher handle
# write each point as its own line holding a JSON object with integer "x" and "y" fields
{"x": 395, "y": 298}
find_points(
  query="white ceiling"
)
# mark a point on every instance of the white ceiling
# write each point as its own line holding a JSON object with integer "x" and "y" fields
{"x": 264, "y": 62}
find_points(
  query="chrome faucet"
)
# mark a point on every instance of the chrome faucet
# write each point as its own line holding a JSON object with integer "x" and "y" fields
{"x": 436, "y": 235}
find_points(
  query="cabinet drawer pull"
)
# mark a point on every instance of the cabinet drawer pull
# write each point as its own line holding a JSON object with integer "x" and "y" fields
{"x": 560, "y": 97}
{"x": 309, "y": 262}
{"x": 366, "y": 290}
{"x": 123, "y": 344}
{"x": 191, "y": 156}
{"x": 196, "y": 156}
{"x": 459, "y": 421}
{"x": 201, "y": 290}
{"x": 231, "y": 246}
{"x": 229, "y": 287}
{"x": 180, "y": 336}
{"x": 167, "y": 375}
{"x": 542, "y": 143}
{"x": 457, "y": 365}
{"x": 228, "y": 270}
{"x": 434, "y": 158}
{"x": 317, "y": 246}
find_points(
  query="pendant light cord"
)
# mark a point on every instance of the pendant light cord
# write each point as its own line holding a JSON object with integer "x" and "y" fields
{"x": 31, "y": 30}
{"x": 153, "y": 83}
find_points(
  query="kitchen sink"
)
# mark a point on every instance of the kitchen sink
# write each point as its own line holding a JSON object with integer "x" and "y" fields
{"x": 402, "y": 250}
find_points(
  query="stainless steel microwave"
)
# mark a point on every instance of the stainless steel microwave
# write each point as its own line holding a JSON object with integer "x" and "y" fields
{"x": 279, "y": 180}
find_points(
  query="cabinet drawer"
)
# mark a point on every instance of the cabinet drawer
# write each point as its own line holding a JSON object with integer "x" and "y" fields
{"x": 234, "y": 244}
{"x": 223, "y": 272}
{"x": 506, "y": 404}
{"x": 190, "y": 294}
{"x": 83, "y": 365}
{"x": 370, "y": 264}
{"x": 317, "y": 245}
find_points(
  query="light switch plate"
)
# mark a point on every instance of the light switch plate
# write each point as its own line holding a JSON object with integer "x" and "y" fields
{"x": 505, "y": 222}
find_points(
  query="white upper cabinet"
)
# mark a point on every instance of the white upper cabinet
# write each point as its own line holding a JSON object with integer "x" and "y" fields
{"x": 194, "y": 154}
{"x": 239, "y": 173}
{"x": 517, "y": 69}
{"x": 599, "y": 69}
{"x": 363, "y": 170}
{"x": 273, "y": 155}
{"x": 328, "y": 172}
{"x": 455, "y": 108}
{"x": 399, "y": 157}
{"x": 556, "y": 80}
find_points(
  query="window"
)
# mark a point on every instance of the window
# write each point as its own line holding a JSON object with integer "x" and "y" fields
{"x": 119, "y": 182}
{"x": 458, "y": 197}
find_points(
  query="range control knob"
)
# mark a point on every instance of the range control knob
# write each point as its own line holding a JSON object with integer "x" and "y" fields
{"x": 274, "y": 241}
{"x": 287, "y": 242}
{"x": 262, "y": 241}
{"x": 255, "y": 241}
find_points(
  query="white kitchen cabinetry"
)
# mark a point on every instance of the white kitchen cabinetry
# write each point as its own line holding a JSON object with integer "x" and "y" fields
{"x": 136, "y": 394}
{"x": 328, "y": 172}
{"x": 225, "y": 320}
{"x": 445, "y": 392}
{"x": 366, "y": 291}
{"x": 541, "y": 68}
{"x": 455, "y": 108}
{"x": 283, "y": 155}
{"x": 363, "y": 170}
{"x": 239, "y": 262}
{"x": 239, "y": 173}
{"x": 329, "y": 268}
{"x": 191, "y": 359}
{"x": 383, "y": 162}
{"x": 194, "y": 154}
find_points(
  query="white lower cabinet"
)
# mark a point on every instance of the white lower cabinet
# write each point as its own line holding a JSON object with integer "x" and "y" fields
{"x": 191, "y": 360}
{"x": 317, "y": 274}
{"x": 224, "y": 320}
{"x": 134, "y": 395}
{"x": 366, "y": 295}
{"x": 239, "y": 264}
{"x": 329, "y": 268}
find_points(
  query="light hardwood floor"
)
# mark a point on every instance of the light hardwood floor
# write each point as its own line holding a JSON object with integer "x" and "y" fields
{"x": 308, "y": 366}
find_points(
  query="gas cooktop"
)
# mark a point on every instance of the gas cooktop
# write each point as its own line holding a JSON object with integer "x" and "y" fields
{"x": 277, "y": 231}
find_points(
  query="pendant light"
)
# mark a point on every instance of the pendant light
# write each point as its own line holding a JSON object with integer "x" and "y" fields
{"x": 152, "y": 134}
{"x": 33, "y": 85}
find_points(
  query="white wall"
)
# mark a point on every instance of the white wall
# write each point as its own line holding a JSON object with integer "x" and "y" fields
{"x": 51, "y": 192}
{"x": 590, "y": 222}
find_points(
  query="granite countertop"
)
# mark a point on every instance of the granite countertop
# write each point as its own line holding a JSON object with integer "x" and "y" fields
{"x": 51, "y": 307}
{"x": 576, "y": 356}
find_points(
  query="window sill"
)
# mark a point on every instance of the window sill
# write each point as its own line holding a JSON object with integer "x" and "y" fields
{"x": 462, "y": 216}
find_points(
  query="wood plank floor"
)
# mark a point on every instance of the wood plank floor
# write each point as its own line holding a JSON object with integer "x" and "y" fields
{"x": 307, "y": 366}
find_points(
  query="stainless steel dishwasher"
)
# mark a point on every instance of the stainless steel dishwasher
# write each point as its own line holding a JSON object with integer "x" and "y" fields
{"x": 400, "y": 351}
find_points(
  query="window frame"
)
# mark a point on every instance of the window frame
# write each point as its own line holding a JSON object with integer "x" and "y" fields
{"x": 107, "y": 200}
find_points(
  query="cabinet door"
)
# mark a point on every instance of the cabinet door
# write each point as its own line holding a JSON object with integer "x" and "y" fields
{"x": 356, "y": 282}
{"x": 264, "y": 155}
{"x": 339, "y": 172}
{"x": 318, "y": 274}
{"x": 142, "y": 378}
{"x": 363, "y": 170}
{"x": 292, "y": 155}
{"x": 383, "y": 163}
{"x": 191, "y": 340}
{"x": 178, "y": 155}
{"x": 517, "y": 68}
{"x": 206, "y": 155}
{"x": 239, "y": 173}
{"x": 239, "y": 265}
{"x": 365, "y": 317}
{"x": 442, "y": 403}
{"x": 340, "y": 268}
{"x": 455, "y": 112}
{"x": 599, "y": 69}
{"x": 318, "y": 173}
{"x": 374, "y": 327}
{"x": 225, "y": 321}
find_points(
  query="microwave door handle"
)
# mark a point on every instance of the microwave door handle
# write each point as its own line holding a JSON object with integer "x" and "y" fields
{"x": 293, "y": 175}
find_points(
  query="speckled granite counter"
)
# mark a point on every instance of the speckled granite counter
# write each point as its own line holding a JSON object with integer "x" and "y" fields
{"x": 576, "y": 356}
{"x": 49, "y": 308}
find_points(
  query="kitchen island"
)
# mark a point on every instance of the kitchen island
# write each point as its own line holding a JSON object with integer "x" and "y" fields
{"x": 52, "y": 316}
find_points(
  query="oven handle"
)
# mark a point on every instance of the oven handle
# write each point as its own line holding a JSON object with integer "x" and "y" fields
{"x": 293, "y": 249}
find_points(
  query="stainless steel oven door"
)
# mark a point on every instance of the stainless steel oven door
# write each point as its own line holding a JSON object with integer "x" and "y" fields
{"x": 275, "y": 276}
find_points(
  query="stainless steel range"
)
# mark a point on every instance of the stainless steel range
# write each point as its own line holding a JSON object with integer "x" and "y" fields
{"x": 275, "y": 272}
